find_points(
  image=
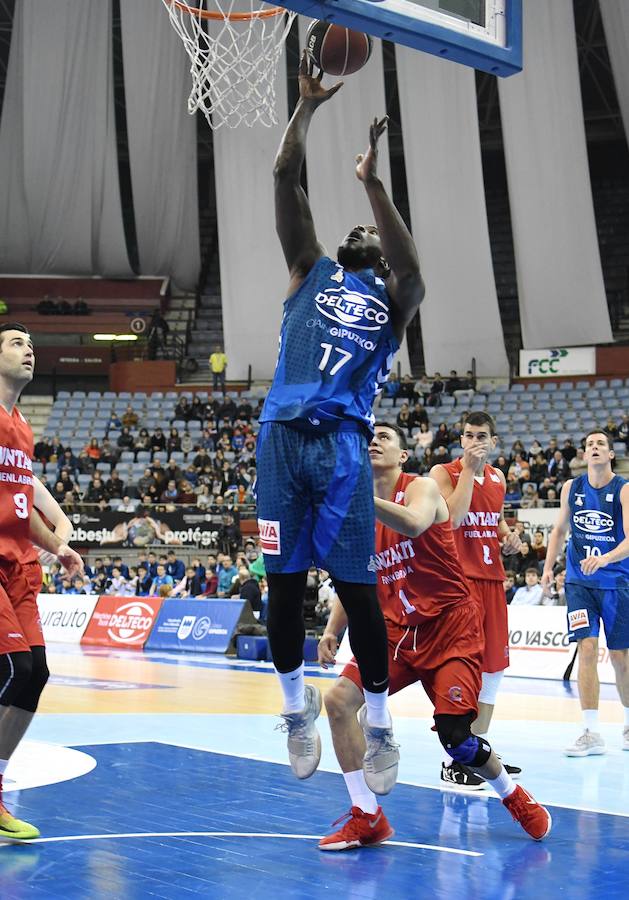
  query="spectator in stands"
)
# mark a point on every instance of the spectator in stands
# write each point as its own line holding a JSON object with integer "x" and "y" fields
{"x": 530, "y": 594}
{"x": 226, "y": 573}
{"x": 466, "y": 389}
{"x": 66, "y": 481}
{"x": 95, "y": 490}
{"x": 501, "y": 462}
{"x": 146, "y": 480}
{"x": 568, "y": 451}
{"x": 114, "y": 422}
{"x": 423, "y": 439}
{"x": 226, "y": 409}
{"x": 557, "y": 594}
{"x": 520, "y": 529}
{"x": 518, "y": 447}
{"x": 539, "y": 468}
{"x": 428, "y": 460}
{"x": 116, "y": 584}
{"x": 551, "y": 497}
{"x": 186, "y": 493}
{"x": 59, "y": 492}
{"x": 160, "y": 474}
{"x": 519, "y": 469}
{"x": 392, "y": 387}
{"x": 125, "y": 439}
{"x": 187, "y": 444}
{"x": 197, "y": 409}
{"x": 85, "y": 465}
{"x": 218, "y": 367}
{"x": 535, "y": 449}
{"x": 246, "y": 587}
{"x": 190, "y": 474}
{"x": 403, "y": 418}
{"x": 115, "y": 486}
{"x": 211, "y": 580}
{"x": 56, "y": 448}
{"x": 552, "y": 448}
{"x": 544, "y": 487}
{"x": 238, "y": 439}
{"x": 175, "y": 567}
{"x": 142, "y": 441}
{"x": 173, "y": 443}
{"x": 117, "y": 563}
{"x": 170, "y": 492}
{"x": 93, "y": 450}
{"x": 42, "y": 450}
{"x": 158, "y": 441}
{"x": 441, "y": 436}
{"x": 190, "y": 585}
{"x": 513, "y": 494}
{"x": 172, "y": 470}
{"x": 128, "y": 505}
{"x": 131, "y": 583}
{"x": 160, "y": 579}
{"x": 524, "y": 560}
{"x": 623, "y": 430}
{"x": 244, "y": 410}
{"x": 108, "y": 453}
{"x": 436, "y": 390}
{"x": 152, "y": 564}
{"x": 441, "y": 456}
{"x": 578, "y": 465}
{"x": 558, "y": 468}
{"x": 538, "y": 547}
{"x": 407, "y": 390}
{"x": 201, "y": 459}
{"x": 419, "y": 415}
{"x": 182, "y": 409}
{"x": 130, "y": 418}
{"x": 452, "y": 384}
{"x": 611, "y": 428}
{"x": 509, "y": 585}
{"x": 422, "y": 389}
{"x": 530, "y": 497}
{"x": 454, "y": 435}
{"x": 68, "y": 461}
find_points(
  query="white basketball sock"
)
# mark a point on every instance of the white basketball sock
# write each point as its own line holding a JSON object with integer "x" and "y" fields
{"x": 293, "y": 689}
{"x": 626, "y": 709}
{"x": 359, "y": 793}
{"x": 377, "y": 712}
{"x": 590, "y": 719}
{"x": 503, "y": 784}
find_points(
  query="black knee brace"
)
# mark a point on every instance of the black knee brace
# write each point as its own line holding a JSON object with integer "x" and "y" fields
{"x": 285, "y": 619}
{"x": 455, "y": 734}
{"x": 28, "y": 697}
{"x": 16, "y": 670}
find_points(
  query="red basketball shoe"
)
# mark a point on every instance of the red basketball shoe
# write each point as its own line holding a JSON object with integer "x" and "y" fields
{"x": 361, "y": 830}
{"x": 532, "y": 816}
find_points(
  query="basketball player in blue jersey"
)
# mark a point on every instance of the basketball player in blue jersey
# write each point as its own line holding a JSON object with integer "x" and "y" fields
{"x": 343, "y": 322}
{"x": 595, "y": 508}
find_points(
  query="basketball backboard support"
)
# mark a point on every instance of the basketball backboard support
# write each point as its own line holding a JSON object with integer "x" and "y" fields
{"x": 483, "y": 34}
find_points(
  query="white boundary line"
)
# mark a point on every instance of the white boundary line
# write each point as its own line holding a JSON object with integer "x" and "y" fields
{"x": 237, "y": 834}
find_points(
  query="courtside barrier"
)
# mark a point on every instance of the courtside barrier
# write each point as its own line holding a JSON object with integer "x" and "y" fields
{"x": 538, "y": 645}
{"x": 201, "y": 626}
{"x": 122, "y": 621}
{"x": 64, "y": 617}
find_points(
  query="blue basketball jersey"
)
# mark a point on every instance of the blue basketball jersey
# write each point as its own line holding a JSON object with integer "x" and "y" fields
{"x": 596, "y": 525}
{"x": 336, "y": 349}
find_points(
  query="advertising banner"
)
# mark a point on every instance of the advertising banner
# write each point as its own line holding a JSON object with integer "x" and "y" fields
{"x": 190, "y": 528}
{"x": 199, "y": 626}
{"x": 122, "y": 621}
{"x": 64, "y": 618}
{"x": 538, "y": 645}
{"x": 557, "y": 361}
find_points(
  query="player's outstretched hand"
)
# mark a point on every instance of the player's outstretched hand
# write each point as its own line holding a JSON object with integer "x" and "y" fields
{"x": 310, "y": 87}
{"x": 327, "y": 649}
{"x": 367, "y": 163}
{"x": 70, "y": 560}
{"x": 511, "y": 544}
{"x": 592, "y": 564}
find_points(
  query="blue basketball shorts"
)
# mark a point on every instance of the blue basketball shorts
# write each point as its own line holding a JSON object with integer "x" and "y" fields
{"x": 315, "y": 501}
{"x": 586, "y": 606}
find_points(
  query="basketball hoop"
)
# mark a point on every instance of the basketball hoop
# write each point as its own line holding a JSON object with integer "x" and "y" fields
{"x": 234, "y": 55}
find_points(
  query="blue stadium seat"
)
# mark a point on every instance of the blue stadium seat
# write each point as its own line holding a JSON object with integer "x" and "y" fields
{"x": 178, "y": 455}
{"x": 600, "y": 383}
{"x": 533, "y": 388}
{"x": 517, "y": 388}
{"x": 144, "y": 456}
{"x": 583, "y": 385}
{"x": 566, "y": 386}
{"x": 544, "y": 406}
{"x": 127, "y": 456}
{"x": 615, "y": 382}
{"x": 550, "y": 387}
{"x": 63, "y": 395}
{"x": 78, "y": 394}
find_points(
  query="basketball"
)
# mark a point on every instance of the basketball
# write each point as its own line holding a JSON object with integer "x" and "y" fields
{"x": 336, "y": 49}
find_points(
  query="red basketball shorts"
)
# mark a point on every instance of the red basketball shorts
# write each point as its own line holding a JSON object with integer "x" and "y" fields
{"x": 20, "y": 625}
{"x": 490, "y": 596}
{"x": 443, "y": 654}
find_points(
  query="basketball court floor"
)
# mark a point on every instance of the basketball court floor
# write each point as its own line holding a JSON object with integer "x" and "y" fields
{"x": 162, "y": 775}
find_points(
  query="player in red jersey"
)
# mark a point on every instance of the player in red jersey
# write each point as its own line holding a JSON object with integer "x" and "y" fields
{"x": 23, "y": 669}
{"x": 474, "y": 492}
{"x": 435, "y": 637}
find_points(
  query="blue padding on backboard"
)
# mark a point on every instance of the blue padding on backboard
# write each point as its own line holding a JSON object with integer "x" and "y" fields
{"x": 370, "y": 16}
{"x": 196, "y": 625}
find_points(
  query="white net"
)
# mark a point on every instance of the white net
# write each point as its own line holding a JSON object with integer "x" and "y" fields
{"x": 234, "y": 48}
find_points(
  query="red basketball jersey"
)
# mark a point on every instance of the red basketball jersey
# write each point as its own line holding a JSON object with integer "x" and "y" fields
{"x": 477, "y": 538}
{"x": 418, "y": 578}
{"x": 16, "y": 486}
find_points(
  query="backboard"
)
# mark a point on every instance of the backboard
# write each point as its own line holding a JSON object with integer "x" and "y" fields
{"x": 484, "y": 34}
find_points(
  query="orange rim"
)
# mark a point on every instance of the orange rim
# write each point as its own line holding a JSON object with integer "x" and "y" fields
{"x": 232, "y": 17}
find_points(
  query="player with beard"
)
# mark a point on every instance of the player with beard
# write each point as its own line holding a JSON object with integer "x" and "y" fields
{"x": 343, "y": 322}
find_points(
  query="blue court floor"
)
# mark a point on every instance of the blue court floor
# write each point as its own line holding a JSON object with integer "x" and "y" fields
{"x": 177, "y": 805}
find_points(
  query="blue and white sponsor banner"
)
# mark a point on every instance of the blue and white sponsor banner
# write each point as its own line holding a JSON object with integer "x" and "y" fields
{"x": 64, "y": 617}
{"x": 203, "y": 626}
{"x": 557, "y": 361}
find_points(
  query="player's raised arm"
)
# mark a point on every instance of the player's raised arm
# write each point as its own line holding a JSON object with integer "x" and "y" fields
{"x": 405, "y": 285}
{"x": 557, "y": 536}
{"x": 421, "y": 504}
{"x": 293, "y": 218}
